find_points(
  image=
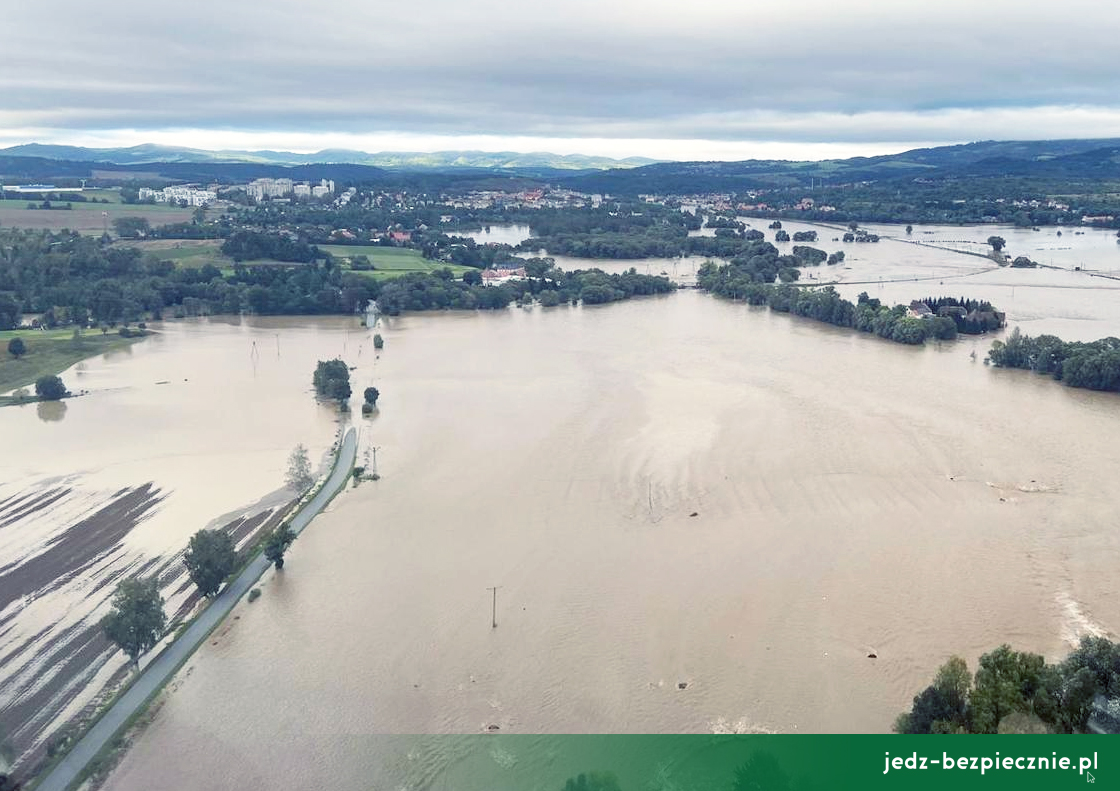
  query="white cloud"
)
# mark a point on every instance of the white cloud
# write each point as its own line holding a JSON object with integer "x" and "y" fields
{"x": 824, "y": 75}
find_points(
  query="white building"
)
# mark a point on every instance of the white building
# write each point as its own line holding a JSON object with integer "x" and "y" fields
{"x": 192, "y": 196}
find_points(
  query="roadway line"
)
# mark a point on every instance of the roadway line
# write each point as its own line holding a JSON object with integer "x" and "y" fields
{"x": 152, "y": 678}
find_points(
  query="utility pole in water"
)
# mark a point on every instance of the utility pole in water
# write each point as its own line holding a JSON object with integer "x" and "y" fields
{"x": 494, "y": 607}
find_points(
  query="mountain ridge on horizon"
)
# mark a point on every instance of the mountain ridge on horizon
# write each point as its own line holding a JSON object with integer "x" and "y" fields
{"x": 1095, "y": 159}
{"x": 147, "y": 153}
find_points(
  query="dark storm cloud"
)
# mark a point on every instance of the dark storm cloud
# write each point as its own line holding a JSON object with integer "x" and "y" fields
{"x": 815, "y": 71}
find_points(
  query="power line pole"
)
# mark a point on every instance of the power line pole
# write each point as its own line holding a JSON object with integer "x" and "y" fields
{"x": 494, "y": 607}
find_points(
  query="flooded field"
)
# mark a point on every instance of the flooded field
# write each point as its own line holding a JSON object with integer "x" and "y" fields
{"x": 1074, "y": 305}
{"x": 187, "y": 429}
{"x": 669, "y": 491}
{"x": 701, "y": 517}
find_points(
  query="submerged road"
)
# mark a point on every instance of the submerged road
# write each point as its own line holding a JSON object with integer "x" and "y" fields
{"x": 154, "y": 675}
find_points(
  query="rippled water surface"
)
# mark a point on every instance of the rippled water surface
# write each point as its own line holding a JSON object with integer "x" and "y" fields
{"x": 671, "y": 491}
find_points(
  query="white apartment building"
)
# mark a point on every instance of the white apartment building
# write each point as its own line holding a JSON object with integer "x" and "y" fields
{"x": 192, "y": 195}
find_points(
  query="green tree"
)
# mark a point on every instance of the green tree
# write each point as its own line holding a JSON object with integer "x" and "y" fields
{"x": 17, "y": 348}
{"x": 8, "y": 783}
{"x": 472, "y": 277}
{"x": 137, "y": 619}
{"x": 997, "y": 242}
{"x": 1077, "y": 696}
{"x": 378, "y": 341}
{"x": 299, "y": 475}
{"x": 10, "y": 312}
{"x": 131, "y": 227}
{"x": 210, "y": 558}
{"x": 339, "y": 390}
{"x": 1008, "y": 681}
{"x": 942, "y": 707}
{"x": 538, "y": 267}
{"x": 371, "y": 394}
{"x": 277, "y": 543}
{"x": 50, "y": 388}
{"x": 332, "y": 380}
{"x": 909, "y": 229}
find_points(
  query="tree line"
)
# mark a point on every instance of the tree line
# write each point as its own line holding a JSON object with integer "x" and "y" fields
{"x": 1094, "y": 365}
{"x": 78, "y": 280}
{"x": 137, "y": 621}
{"x": 545, "y": 283}
{"x": 1016, "y": 692}
{"x": 825, "y": 304}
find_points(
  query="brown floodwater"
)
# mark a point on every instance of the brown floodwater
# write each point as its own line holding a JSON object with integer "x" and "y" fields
{"x": 667, "y": 491}
{"x": 187, "y": 429}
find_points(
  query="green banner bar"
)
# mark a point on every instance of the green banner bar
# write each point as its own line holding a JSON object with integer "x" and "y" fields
{"x": 743, "y": 763}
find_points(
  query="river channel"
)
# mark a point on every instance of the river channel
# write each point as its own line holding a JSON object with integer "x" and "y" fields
{"x": 700, "y": 516}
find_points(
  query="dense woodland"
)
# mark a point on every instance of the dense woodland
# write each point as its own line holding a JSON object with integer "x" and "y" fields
{"x": 82, "y": 280}
{"x": 747, "y": 281}
{"x": 75, "y": 279}
{"x": 1016, "y": 692}
{"x": 545, "y": 284}
{"x": 1094, "y": 365}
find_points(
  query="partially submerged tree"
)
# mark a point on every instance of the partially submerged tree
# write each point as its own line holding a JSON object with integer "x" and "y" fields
{"x": 299, "y": 475}
{"x": 332, "y": 380}
{"x": 137, "y": 620}
{"x": 277, "y": 543}
{"x": 50, "y": 388}
{"x": 210, "y": 558}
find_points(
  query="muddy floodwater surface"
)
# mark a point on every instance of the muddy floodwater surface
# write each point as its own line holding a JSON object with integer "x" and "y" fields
{"x": 700, "y": 517}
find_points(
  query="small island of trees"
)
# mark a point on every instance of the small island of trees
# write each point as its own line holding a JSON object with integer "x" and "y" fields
{"x": 1094, "y": 366}
{"x": 751, "y": 279}
{"x": 332, "y": 380}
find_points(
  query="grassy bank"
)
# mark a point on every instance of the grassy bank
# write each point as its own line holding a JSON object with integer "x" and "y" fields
{"x": 51, "y": 352}
{"x": 388, "y": 261}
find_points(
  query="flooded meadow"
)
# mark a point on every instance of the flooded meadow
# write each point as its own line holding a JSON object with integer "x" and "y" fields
{"x": 699, "y": 516}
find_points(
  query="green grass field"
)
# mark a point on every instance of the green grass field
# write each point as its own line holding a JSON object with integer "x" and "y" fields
{"x": 51, "y": 352}
{"x": 86, "y": 217}
{"x": 190, "y": 253}
{"x": 389, "y": 261}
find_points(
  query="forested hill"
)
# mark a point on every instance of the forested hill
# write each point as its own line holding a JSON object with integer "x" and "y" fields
{"x": 65, "y": 172}
{"x": 1067, "y": 159}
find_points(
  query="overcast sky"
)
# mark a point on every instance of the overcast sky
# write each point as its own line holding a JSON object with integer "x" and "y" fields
{"x": 675, "y": 80}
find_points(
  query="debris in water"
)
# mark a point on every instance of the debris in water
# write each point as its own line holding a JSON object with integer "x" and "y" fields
{"x": 493, "y": 727}
{"x": 694, "y": 513}
{"x": 682, "y": 685}
{"x": 872, "y": 655}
